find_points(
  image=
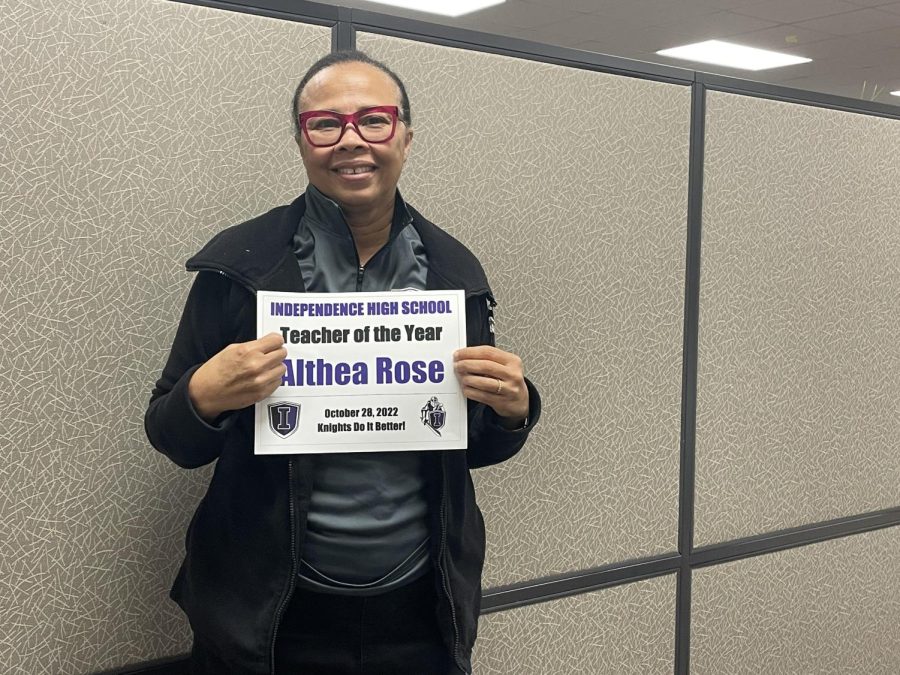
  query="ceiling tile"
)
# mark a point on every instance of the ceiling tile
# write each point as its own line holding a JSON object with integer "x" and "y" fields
{"x": 723, "y": 4}
{"x": 784, "y": 37}
{"x": 665, "y": 13}
{"x": 644, "y": 12}
{"x": 527, "y": 15}
{"x": 867, "y": 58}
{"x": 720, "y": 24}
{"x": 887, "y": 64}
{"x": 870, "y": 83}
{"x": 833, "y": 48}
{"x": 587, "y": 27}
{"x": 791, "y": 11}
{"x": 887, "y": 38}
{"x": 811, "y": 69}
{"x": 871, "y": 3}
{"x": 587, "y": 6}
{"x": 626, "y": 44}
{"x": 851, "y": 23}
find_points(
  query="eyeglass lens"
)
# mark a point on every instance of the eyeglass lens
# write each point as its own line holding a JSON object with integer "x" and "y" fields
{"x": 374, "y": 127}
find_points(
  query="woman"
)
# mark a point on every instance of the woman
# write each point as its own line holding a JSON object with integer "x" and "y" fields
{"x": 348, "y": 563}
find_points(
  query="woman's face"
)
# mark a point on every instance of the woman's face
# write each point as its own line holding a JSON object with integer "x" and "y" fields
{"x": 376, "y": 167}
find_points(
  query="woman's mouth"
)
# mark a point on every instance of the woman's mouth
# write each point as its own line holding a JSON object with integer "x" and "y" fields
{"x": 355, "y": 170}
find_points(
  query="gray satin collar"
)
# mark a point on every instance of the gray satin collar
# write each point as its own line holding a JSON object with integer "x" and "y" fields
{"x": 326, "y": 212}
{"x": 327, "y": 254}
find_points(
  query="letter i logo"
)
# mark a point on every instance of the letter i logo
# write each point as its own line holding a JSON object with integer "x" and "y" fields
{"x": 284, "y": 418}
{"x": 433, "y": 415}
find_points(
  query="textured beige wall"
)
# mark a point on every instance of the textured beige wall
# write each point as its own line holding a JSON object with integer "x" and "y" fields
{"x": 827, "y": 609}
{"x": 618, "y": 631}
{"x": 129, "y": 131}
{"x": 571, "y": 186}
{"x": 797, "y": 414}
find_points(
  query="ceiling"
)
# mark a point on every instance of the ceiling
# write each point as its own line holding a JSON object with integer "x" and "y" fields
{"x": 854, "y": 44}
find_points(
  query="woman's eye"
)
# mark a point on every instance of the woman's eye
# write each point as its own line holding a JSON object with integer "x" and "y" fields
{"x": 374, "y": 120}
{"x": 322, "y": 123}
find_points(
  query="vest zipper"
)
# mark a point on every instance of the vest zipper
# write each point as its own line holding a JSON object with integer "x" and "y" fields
{"x": 445, "y": 579}
{"x": 359, "y": 277}
{"x": 285, "y": 598}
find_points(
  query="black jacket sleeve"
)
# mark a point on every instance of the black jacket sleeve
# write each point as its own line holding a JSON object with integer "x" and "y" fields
{"x": 489, "y": 443}
{"x": 206, "y": 327}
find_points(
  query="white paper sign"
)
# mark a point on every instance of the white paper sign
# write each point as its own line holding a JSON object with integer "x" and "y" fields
{"x": 365, "y": 372}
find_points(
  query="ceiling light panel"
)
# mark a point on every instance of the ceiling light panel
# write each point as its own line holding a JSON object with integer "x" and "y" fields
{"x": 732, "y": 55}
{"x": 442, "y": 7}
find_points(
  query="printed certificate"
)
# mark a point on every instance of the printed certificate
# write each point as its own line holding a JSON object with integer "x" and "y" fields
{"x": 365, "y": 372}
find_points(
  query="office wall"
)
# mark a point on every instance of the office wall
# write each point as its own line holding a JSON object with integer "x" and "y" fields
{"x": 571, "y": 187}
{"x": 131, "y": 130}
{"x": 625, "y": 630}
{"x": 831, "y": 608}
{"x": 797, "y": 413}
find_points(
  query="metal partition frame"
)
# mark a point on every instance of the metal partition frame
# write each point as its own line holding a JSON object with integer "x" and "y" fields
{"x": 345, "y": 22}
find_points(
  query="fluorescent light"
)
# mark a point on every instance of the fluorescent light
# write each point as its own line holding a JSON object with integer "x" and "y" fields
{"x": 895, "y": 93}
{"x": 442, "y": 7}
{"x": 732, "y": 55}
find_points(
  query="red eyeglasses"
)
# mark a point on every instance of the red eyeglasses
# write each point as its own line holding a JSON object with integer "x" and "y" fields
{"x": 324, "y": 128}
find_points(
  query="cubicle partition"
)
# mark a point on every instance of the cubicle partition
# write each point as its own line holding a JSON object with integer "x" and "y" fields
{"x": 700, "y": 274}
{"x": 578, "y": 213}
{"x": 131, "y": 132}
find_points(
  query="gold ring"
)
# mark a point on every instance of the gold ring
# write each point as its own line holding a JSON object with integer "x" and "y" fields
{"x": 499, "y": 386}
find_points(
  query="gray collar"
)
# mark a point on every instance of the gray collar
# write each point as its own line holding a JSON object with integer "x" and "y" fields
{"x": 326, "y": 212}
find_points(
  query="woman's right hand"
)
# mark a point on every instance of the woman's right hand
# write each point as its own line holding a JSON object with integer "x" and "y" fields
{"x": 239, "y": 375}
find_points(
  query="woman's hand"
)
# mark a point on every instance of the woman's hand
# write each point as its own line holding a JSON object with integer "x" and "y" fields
{"x": 239, "y": 375}
{"x": 496, "y": 378}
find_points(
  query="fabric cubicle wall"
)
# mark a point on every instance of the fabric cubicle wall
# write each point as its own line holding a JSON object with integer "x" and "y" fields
{"x": 831, "y": 608}
{"x": 131, "y": 131}
{"x": 571, "y": 186}
{"x": 798, "y": 390}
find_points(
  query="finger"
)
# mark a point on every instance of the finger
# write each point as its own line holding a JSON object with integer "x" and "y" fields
{"x": 484, "y": 368}
{"x": 274, "y": 378}
{"x": 489, "y": 385}
{"x": 261, "y": 389}
{"x": 268, "y": 379}
{"x": 517, "y": 409}
{"x": 485, "y": 352}
{"x": 478, "y": 395}
{"x": 267, "y": 343}
{"x": 272, "y": 359}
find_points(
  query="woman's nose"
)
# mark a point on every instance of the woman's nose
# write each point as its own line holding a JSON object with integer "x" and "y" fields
{"x": 351, "y": 137}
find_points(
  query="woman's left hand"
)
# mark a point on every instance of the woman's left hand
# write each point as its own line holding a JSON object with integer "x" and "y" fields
{"x": 496, "y": 378}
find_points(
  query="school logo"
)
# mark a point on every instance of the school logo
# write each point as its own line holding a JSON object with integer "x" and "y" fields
{"x": 433, "y": 415}
{"x": 284, "y": 418}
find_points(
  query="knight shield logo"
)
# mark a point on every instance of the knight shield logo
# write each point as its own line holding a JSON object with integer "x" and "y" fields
{"x": 433, "y": 415}
{"x": 284, "y": 418}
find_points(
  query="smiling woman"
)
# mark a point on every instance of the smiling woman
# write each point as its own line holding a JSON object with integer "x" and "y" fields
{"x": 354, "y": 562}
{"x": 360, "y": 175}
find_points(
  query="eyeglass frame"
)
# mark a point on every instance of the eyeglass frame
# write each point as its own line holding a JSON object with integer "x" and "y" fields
{"x": 348, "y": 119}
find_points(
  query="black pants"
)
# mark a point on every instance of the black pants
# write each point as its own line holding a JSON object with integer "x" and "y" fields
{"x": 394, "y": 633}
